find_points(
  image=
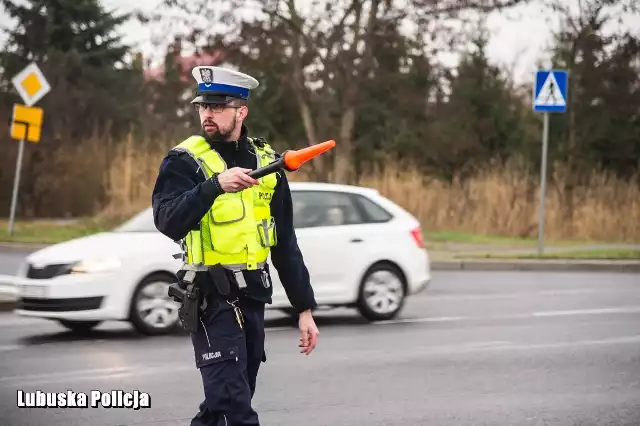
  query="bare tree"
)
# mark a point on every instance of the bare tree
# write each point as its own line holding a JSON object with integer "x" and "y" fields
{"x": 330, "y": 49}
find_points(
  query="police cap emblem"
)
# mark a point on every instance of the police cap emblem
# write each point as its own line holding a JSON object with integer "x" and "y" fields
{"x": 207, "y": 75}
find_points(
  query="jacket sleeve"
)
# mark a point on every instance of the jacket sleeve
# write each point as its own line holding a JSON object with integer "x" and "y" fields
{"x": 286, "y": 255}
{"x": 181, "y": 196}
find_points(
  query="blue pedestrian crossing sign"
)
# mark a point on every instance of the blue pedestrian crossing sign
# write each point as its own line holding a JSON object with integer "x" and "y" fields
{"x": 550, "y": 91}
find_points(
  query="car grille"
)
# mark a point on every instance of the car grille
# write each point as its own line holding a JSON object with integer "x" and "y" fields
{"x": 48, "y": 271}
{"x": 60, "y": 305}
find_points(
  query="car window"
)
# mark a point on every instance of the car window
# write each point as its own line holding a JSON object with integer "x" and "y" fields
{"x": 142, "y": 222}
{"x": 372, "y": 211}
{"x": 323, "y": 208}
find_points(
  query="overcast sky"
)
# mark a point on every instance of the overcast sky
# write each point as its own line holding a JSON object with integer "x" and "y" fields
{"x": 518, "y": 37}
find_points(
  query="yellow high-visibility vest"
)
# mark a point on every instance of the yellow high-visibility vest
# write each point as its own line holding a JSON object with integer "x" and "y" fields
{"x": 239, "y": 230}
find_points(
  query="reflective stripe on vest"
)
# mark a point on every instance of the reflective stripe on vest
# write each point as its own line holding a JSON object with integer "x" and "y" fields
{"x": 238, "y": 231}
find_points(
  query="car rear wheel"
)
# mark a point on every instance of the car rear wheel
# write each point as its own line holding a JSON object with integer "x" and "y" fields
{"x": 382, "y": 293}
{"x": 153, "y": 311}
{"x": 79, "y": 327}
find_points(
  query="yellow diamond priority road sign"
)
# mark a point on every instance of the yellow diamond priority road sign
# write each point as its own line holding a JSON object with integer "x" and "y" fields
{"x": 27, "y": 123}
{"x": 31, "y": 84}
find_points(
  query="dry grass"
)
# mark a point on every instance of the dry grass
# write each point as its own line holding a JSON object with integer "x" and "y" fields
{"x": 129, "y": 181}
{"x": 505, "y": 202}
{"x": 501, "y": 202}
{"x": 116, "y": 180}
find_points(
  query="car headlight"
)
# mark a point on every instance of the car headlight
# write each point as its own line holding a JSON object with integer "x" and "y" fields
{"x": 88, "y": 266}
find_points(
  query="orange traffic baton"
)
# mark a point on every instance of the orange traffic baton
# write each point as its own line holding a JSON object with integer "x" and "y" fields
{"x": 291, "y": 160}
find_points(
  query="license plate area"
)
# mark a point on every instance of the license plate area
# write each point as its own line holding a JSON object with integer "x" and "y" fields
{"x": 37, "y": 291}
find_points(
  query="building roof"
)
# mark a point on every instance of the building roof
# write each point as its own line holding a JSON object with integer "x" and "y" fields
{"x": 186, "y": 64}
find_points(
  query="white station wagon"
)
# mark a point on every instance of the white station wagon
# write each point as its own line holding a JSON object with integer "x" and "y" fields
{"x": 362, "y": 251}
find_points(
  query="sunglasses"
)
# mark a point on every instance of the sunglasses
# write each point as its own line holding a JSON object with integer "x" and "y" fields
{"x": 214, "y": 107}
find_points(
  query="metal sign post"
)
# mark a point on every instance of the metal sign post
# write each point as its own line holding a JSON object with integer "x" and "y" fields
{"x": 549, "y": 95}
{"x": 26, "y": 124}
{"x": 16, "y": 185}
{"x": 543, "y": 178}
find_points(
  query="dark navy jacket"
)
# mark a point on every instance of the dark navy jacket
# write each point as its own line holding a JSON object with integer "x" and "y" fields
{"x": 182, "y": 196}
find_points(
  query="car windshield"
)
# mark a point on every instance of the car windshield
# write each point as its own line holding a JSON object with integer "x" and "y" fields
{"x": 142, "y": 222}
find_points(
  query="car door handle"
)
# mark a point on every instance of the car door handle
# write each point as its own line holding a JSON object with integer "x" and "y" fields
{"x": 356, "y": 240}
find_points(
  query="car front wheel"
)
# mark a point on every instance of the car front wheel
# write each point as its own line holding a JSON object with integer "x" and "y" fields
{"x": 153, "y": 312}
{"x": 382, "y": 293}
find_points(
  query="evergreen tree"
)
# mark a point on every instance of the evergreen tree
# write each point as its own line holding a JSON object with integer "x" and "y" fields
{"x": 601, "y": 127}
{"x": 480, "y": 121}
{"x": 75, "y": 44}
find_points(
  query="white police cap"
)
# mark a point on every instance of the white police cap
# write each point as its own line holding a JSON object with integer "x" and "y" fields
{"x": 217, "y": 85}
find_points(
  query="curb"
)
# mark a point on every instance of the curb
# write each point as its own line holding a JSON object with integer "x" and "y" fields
{"x": 21, "y": 247}
{"x": 536, "y": 265}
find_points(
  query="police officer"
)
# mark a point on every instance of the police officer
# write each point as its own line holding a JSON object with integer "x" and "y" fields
{"x": 205, "y": 200}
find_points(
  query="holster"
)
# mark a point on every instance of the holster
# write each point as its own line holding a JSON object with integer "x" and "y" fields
{"x": 191, "y": 296}
{"x": 187, "y": 292}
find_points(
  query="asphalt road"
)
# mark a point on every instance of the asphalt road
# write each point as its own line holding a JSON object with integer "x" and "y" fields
{"x": 10, "y": 261}
{"x": 476, "y": 349}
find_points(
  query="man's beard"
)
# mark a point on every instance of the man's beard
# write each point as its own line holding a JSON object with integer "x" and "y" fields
{"x": 219, "y": 136}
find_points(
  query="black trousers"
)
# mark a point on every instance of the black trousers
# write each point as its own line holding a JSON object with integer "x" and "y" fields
{"x": 229, "y": 358}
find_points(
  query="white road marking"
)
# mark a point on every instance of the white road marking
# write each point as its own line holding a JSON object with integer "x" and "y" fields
{"x": 12, "y": 320}
{"x": 551, "y": 345}
{"x": 94, "y": 374}
{"x": 420, "y": 352}
{"x": 395, "y": 321}
{"x": 597, "y": 311}
{"x": 628, "y": 310}
{"x": 136, "y": 370}
{"x": 625, "y": 310}
{"x": 540, "y": 314}
{"x": 4, "y": 348}
{"x": 115, "y": 370}
{"x": 419, "y": 320}
{"x": 515, "y": 295}
{"x": 571, "y": 292}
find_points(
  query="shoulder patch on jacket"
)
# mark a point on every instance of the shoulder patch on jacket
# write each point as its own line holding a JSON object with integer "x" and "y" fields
{"x": 260, "y": 141}
{"x": 183, "y": 153}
